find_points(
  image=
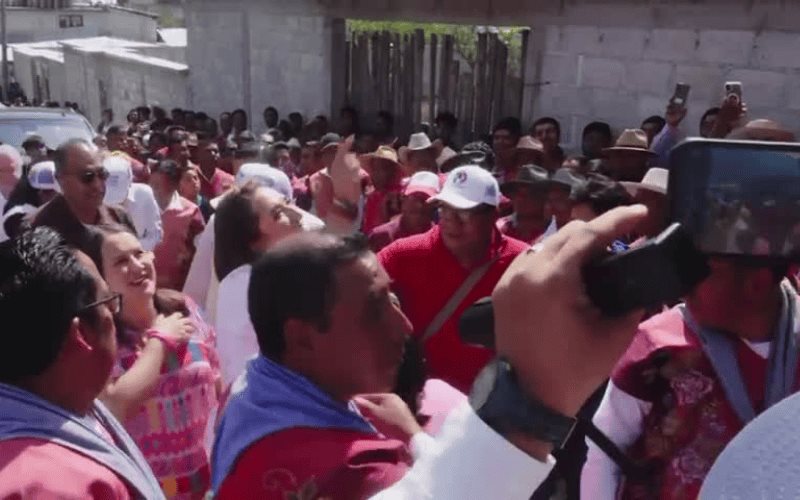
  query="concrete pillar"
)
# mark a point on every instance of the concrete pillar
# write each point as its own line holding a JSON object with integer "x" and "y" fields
{"x": 253, "y": 54}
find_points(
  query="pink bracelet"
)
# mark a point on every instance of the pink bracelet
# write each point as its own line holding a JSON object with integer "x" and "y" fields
{"x": 168, "y": 342}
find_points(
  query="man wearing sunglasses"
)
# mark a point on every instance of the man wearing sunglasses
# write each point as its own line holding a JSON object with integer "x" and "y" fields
{"x": 52, "y": 374}
{"x": 439, "y": 273}
{"x": 82, "y": 177}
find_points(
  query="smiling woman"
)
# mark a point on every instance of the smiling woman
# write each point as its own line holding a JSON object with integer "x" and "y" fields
{"x": 166, "y": 360}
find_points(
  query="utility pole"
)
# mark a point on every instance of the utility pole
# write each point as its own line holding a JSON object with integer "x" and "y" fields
{"x": 4, "y": 48}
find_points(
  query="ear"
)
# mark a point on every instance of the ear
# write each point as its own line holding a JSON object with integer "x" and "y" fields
{"x": 760, "y": 283}
{"x": 301, "y": 338}
{"x": 77, "y": 336}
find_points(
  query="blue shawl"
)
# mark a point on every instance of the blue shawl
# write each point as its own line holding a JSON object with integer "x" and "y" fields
{"x": 269, "y": 398}
{"x": 25, "y": 415}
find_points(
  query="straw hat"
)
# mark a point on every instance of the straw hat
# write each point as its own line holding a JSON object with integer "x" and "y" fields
{"x": 656, "y": 180}
{"x": 632, "y": 139}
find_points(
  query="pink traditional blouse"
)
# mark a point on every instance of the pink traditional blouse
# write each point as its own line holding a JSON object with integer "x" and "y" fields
{"x": 170, "y": 427}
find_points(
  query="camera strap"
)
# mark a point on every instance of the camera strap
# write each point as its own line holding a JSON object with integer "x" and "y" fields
{"x": 455, "y": 300}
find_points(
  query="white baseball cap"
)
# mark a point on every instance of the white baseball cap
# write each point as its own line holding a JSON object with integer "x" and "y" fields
{"x": 423, "y": 182}
{"x": 120, "y": 178}
{"x": 265, "y": 175}
{"x": 43, "y": 176}
{"x": 469, "y": 186}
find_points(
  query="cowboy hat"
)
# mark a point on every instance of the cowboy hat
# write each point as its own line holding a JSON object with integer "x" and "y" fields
{"x": 655, "y": 180}
{"x": 632, "y": 139}
{"x": 531, "y": 148}
{"x": 528, "y": 175}
{"x": 419, "y": 142}
{"x": 564, "y": 177}
{"x": 382, "y": 153}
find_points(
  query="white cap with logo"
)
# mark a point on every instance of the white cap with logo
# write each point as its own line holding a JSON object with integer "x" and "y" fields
{"x": 469, "y": 186}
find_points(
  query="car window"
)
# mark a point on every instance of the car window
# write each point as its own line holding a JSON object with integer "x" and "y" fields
{"x": 53, "y": 131}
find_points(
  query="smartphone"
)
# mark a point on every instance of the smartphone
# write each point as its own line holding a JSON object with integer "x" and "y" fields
{"x": 681, "y": 95}
{"x": 738, "y": 198}
{"x": 733, "y": 91}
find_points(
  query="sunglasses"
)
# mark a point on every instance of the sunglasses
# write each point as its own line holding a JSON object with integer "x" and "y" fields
{"x": 88, "y": 176}
{"x": 113, "y": 302}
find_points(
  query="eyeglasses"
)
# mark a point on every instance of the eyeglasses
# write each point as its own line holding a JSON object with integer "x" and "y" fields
{"x": 113, "y": 302}
{"x": 463, "y": 216}
{"x": 88, "y": 176}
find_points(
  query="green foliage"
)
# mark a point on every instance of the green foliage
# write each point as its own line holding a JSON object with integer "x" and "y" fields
{"x": 465, "y": 36}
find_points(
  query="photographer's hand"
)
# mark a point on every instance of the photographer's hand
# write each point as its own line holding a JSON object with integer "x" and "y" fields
{"x": 561, "y": 347}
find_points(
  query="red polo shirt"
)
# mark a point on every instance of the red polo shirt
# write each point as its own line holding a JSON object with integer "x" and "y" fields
{"x": 220, "y": 182}
{"x": 425, "y": 275}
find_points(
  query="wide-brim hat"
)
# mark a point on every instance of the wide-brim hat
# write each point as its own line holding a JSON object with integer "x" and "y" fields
{"x": 528, "y": 175}
{"x": 532, "y": 148}
{"x": 655, "y": 180}
{"x": 632, "y": 139}
{"x": 420, "y": 142}
{"x": 382, "y": 153}
{"x": 566, "y": 178}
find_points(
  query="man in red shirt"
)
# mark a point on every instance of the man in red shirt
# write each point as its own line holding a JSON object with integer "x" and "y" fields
{"x": 527, "y": 193}
{"x": 181, "y": 220}
{"x": 213, "y": 181}
{"x": 317, "y": 303}
{"x": 464, "y": 253}
{"x": 383, "y": 201}
{"x": 416, "y": 214}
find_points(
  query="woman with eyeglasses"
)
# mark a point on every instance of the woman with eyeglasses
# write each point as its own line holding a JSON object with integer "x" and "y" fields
{"x": 165, "y": 384}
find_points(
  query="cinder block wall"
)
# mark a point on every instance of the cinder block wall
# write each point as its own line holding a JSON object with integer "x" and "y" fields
{"x": 623, "y": 75}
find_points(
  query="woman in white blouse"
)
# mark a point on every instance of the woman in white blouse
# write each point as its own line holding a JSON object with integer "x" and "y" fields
{"x": 248, "y": 222}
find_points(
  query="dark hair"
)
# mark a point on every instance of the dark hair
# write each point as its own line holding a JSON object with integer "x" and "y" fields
{"x": 176, "y": 111}
{"x": 657, "y": 120}
{"x": 61, "y": 152}
{"x": 477, "y": 148}
{"x": 270, "y": 108}
{"x": 601, "y": 128}
{"x": 547, "y": 120}
{"x": 144, "y": 111}
{"x": 447, "y": 118}
{"x": 710, "y": 111}
{"x": 43, "y": 287}
{"x": 174, "y": 137}
{"x": 296, "y": 115}
{"x": 296, "y": 280}
{"x": 241, "y": 113}
{"x": 170, "y": 169}
{"x": 235, "y": 230}
{"x": 159, "y": 113}
{"x": 510, "y": 123}
{"x": 159, "y": 136}
{"x": 601, "y": 194}
{"x": 116, "y": 130}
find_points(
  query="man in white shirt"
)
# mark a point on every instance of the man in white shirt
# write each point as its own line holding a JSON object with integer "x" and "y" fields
{"x": 137, "y": 199}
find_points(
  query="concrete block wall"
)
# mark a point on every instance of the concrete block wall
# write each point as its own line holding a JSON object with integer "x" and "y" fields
{"x": 253, "y": 57}
{"x": 622, "y": 75}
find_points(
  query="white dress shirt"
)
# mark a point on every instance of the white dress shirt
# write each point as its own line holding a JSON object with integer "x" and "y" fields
{"x": 143, "y": 209}
{"x": 201, "y": 282}
{"x": 236, "y": 337}
{"x": 468, "y": 460}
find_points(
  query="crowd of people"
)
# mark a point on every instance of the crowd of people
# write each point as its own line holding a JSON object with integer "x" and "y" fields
{"x": 195, "y": 308}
